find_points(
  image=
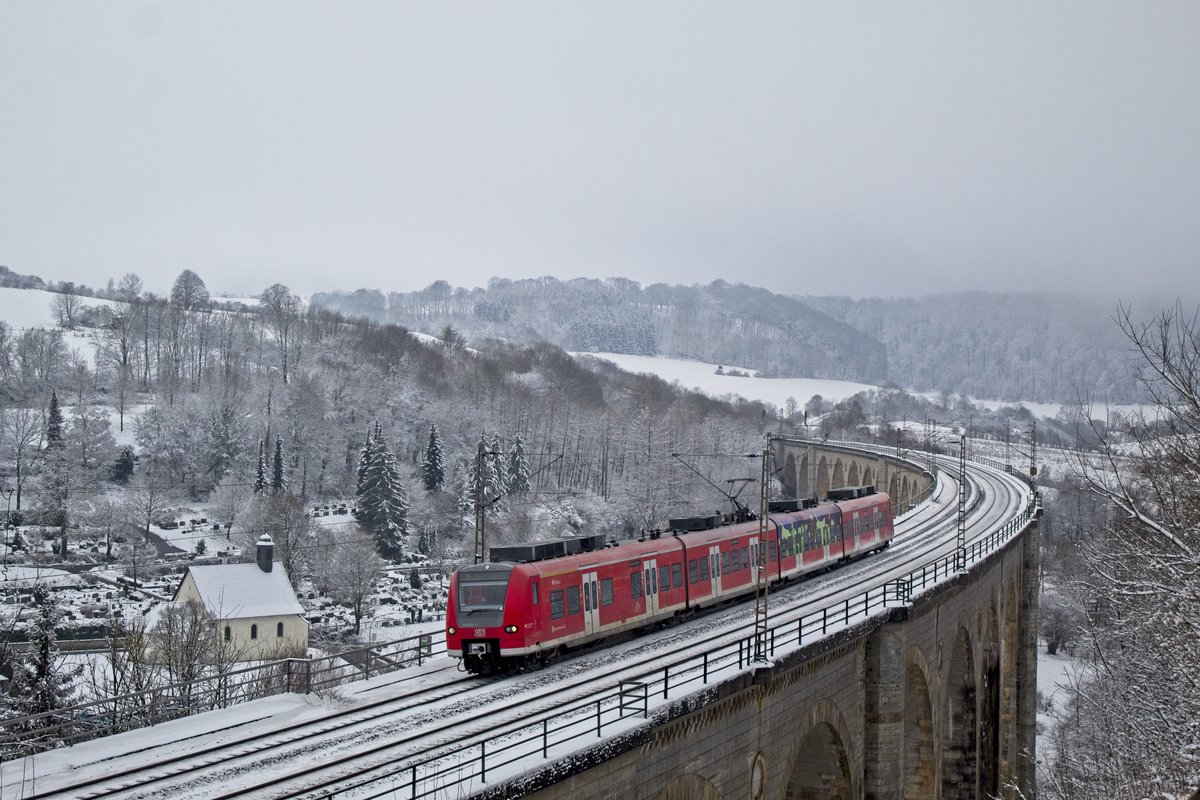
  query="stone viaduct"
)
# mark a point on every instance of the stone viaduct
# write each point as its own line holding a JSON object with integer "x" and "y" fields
{"x": 810, "y": 469}
{"x": 930, "y": 700}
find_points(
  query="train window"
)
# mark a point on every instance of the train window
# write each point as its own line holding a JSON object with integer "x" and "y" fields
{"x": 677, "y": 576}
{"x": 772, "y": 550}
{"x": 725, "y": 563}
{"x": 587, "y": 596}
{"x": 693, "y": 573}
{"x": 635, "y": 585}
{"x": 745, "y": 558}
{"x": 664, "y": 578}
{"x": 703, "y": 569}
{"x": 482, "y": 591}
{"x": 606, "y": 593}
{"x": 533, "y": 591}
{"x": 556, "y": 604}
{"x": 572, "y": 599}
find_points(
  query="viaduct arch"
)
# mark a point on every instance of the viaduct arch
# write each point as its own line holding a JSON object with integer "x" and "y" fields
{"x": 810, "y": 469}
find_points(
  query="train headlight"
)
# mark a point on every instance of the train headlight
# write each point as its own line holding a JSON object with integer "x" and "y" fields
{"x": 510, "y": 628}
{"x": 452, "y": 630}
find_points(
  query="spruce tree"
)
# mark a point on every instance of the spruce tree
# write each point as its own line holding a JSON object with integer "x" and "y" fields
{"x": 494, "y": 472}
{"x": 517, "y": 468}
{"x": 365, "y": 457}
{"x": 41, "y": 683}
{"x": 260, "y": 477}
{"x": 57, "y": 484}
{"x": 382, "y": 499}
{"x": 54, "y": 423}
{"x": 432, "y": 471}
{"x": 122, "y": 469}
{"x": 278, "y": 481}
{"x": 464, "y": 487}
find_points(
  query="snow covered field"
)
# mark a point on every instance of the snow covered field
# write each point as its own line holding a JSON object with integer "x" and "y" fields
{"x": 704, "y": 378}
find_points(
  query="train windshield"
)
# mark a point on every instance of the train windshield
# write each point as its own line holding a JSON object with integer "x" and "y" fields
{"x": 482, "y": 591}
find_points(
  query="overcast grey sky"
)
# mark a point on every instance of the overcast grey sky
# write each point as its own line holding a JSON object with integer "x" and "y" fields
{"x": 858, "y": 148}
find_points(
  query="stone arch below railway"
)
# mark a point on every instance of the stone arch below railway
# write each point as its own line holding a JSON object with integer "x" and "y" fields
{"x": 1010, "y": 647}
{"x": 822, "y": 487}
{"x": 960, "y": 750}
{"x": 790, "y": 478}
{"x": 920, "y": 768}
{"x": 821, "y": 768}
{"x": 989, "y": 705}
{"x": 838, "y": 479}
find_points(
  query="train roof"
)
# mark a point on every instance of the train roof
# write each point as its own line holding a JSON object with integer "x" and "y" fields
{"x": 529, "y": 552}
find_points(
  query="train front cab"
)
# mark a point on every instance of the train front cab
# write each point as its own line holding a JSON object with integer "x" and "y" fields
{"x": 475, "y": 626}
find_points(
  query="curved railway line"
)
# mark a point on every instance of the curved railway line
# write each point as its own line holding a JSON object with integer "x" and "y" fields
{"x": 346, "y": 751}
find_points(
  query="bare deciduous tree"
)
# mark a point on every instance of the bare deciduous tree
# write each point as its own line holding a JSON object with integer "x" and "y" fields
{"x": 1133, "y": 726}
{"x": 351, "y": 569}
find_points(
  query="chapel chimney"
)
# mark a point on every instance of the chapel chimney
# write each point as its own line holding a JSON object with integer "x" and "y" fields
{"x": 266, "y": 552}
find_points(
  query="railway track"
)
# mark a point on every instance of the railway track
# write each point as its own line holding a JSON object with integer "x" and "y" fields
{"x": 348, "y": 750}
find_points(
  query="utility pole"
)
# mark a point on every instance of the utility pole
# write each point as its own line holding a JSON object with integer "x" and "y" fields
{"x": 1033, "y": 451}
{"x": 480, "y": 515}
{"x": 960, "y": 554}
{"x": 932, "y": 463}
{"x": 760, "y": 585}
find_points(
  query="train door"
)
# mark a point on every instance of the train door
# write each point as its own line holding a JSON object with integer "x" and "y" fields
{"x": 754, "y": 561}
{"x": 650, "y": 575}
{"x": 714, "y": 564}
{"x": 591, "y": 603}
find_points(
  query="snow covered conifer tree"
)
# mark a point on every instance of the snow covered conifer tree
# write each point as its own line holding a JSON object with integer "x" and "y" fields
{"x": 122, "y": 469}
{"x": 464, "y": 487}
{"x": 365, "y": 457}
{"x": 432, "y": 471}
{"x": 58, "y": 472}
{"x": 516, "y": 468}
{"x": 40, "y": 680}
{"x": 493, "y": 472}
{"x": 278, "y": 481}
{"x": 260, "y": 477}
{"x": 382, "y": 499}
{"x": 54, "y": 423}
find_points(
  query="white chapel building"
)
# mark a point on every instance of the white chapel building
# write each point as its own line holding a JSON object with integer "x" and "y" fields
{"x": 253, "y": 605}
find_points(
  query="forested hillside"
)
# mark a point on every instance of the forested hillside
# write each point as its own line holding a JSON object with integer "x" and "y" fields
{"x": 1004, "y": 346}
{"x": 209, "y": 392}
{"x": 1010, "y": 346}
{"x": 720, "y": 323}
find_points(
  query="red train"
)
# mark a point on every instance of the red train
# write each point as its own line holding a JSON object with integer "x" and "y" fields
{"x": 533, "y": 601}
